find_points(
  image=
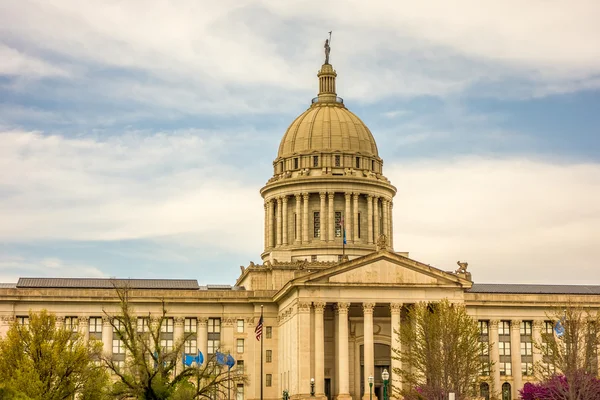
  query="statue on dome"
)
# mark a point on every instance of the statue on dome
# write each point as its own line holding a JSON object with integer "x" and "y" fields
{"x": 327, "y": 51}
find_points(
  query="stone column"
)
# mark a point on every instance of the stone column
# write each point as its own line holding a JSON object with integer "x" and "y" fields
{"x": 60, "y": 322}
{"x": 369, "y": 347}
{"x": 370, "y": 219}
{"x": 84, "y": 327}
{"x": 495, "y": 356}
{"x": 515, "y": 357}
{"x": 342, "y": 359}
{"x": 305, "y": 197}
{"x": 386, "y": 223}
{"x": 348, "y": 218}
{"x": 271, "y": 213}
{"x": 391, "y": 241}
{"x": 319, "y": 349}
{"x": 107, "y": 333}
{"x": 202, "y": 336}
{"x": 266, "y": 226}
{"x": 304, "y": 349}
{"x": 355, "y": 198}
{"x": 322, "y": 217}
{"x": 284, "y": 221}
{"x": 178, "y": 336}
{"x": 376, "y": 232}
{"x": 395, "y": 309}
{"x": 537, "y": 339}
{"x": 331, "y": 218}
{"x": 298, "y": 227}
{"x": 227, "y": 341}
{"x": 279, "y": 219}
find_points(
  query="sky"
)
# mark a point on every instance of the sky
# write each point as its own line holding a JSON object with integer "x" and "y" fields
{"x": 135, "y": 135}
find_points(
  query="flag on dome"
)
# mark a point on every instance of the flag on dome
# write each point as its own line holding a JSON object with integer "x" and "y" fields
{"x": 259, "y": 328}
{"x": 343, "y": 229}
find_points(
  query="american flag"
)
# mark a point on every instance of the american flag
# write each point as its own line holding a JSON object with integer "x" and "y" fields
{"x": 259, "y": 328}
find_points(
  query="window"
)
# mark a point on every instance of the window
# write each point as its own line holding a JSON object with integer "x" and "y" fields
{"x": 120, "y": 364}
{"x": 504, "y": 348}
{"x": 269, "y": 332}
{"x": 484, "y": 341}
{"x": 504, "y": 328}
{"x": 281, "y": 167}
{"x": 167, "y": 325}
{"x": 373, "y": 165}
{"x": 95, "y": 325}
{"x": 239, "y": 392}
{"x": 527, "y": 368}
{"x": 143, "y": 324}
{"x": 483, "y": 327}
{"x": 166, "y": 344}
{"x": 338, "y": 161}
{"x": 240, "y": 326}
{"x": 315, "y": 161}
{"x": 24, "y": 321}
{"x": 359, "y": 225}
{"x": 526, "y": 349}
{"x": 484, "y": 390}
{"x": 338, "y": 224}
{"x": 71, "y": 323}
{"x": 269, "y": 355}
{"x": 214, "y": 335}
{"x": 295, "y": 163}
{"x": 506, "y": 391}
{"x": 340, "y": 258}
{"x": 190, "y": 346}
{"x": 357, "y": 162}
{"x": 313, "y": 258}
{"x": 505, "y": 368}
{"x": 118, "y": 347}
{"x": 190, "y": 325}
{"x": 269, "y": 380}
{"x": 240, "y": 345}
{"x": 525, "y": 328}
{"x": 548, "y": 327}
{"x": 317, "y": 224}
{"x": 240, "y": 367}
{"x": 116, "y": 325}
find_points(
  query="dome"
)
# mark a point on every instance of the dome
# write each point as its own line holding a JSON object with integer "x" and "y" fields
{"x": 327, "y": 126}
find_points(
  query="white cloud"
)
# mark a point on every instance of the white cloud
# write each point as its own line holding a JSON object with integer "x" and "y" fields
{"x": 514, "y": 220}
{"x": 15, "y": 63}
{"x": 14, "y": 267}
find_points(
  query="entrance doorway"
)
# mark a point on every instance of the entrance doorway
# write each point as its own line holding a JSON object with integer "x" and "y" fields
{"x": 382, "y": 361}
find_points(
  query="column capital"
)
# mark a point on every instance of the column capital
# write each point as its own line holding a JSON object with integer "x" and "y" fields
{"x": 202, "y": 321}
{"x": 494, "y": 323}
{"x": 179, "y": 321}
{"x": 60, "y": 319}
{"x": 341, "y": 307}
{"x": 284, "y": 199}
{"x": 370, "y": 196}
{"x": 348, "y": 195}
{"x": 83, "y": 318}
{"x": 305, "y": 196}
{"x": 298, "y": 196}
{"x": 395, "y": 307}
{"x": 515, "y": 324}
{"x": 368, "y": 308}
{"x": 304, "y": 307}
{"x": 227, "y": 321}
{"x": 331, "y": 194}
{"x": 279, "y": 200}
{"x": 266, "y": 205}
{"x": 355, "y": 195}
{"x": 322, "y": 195}
{"x": 319, "y": 306}
{"x": 105, "y": 320}
{"x": 538, "y": 324}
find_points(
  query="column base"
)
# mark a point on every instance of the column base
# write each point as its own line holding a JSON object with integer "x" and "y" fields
{"x": 367, "y": 397}
{"x": 343, "y": 396}
{"x": 304, "y": 396}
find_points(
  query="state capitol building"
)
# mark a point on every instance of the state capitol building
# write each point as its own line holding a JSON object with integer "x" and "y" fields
{"x": 332, "y": 286}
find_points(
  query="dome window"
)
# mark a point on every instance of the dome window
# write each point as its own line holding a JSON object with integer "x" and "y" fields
{"x": 357, "y": 162}
{"x": 338, "y": 161}
{"x": 373, "y": 165}
{"x": 296, "y": 163}
{"x": 315, "y": 161}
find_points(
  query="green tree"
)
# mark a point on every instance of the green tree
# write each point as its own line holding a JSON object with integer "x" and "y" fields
{"x": 41, "y": 361}
{"x": 440, "y": 352}
{"x": 570, "y": 351}
{"x": 153, "y": 372}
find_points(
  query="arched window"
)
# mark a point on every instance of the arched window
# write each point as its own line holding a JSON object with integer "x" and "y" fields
{"x": 484, "y": 390}
{"x": 506, "y": 391}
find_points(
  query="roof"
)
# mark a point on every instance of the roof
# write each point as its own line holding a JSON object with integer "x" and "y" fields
{"x": 105, "y": 283}
{"x": 8, "y": 285}
{"x": 534, "y": 289}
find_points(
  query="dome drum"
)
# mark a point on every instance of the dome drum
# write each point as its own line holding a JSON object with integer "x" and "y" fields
{"x": 334, "y": 163}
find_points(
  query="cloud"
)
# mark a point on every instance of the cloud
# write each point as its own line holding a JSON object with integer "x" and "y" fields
{"x": 14, "y": 267}
{"x": 16, "y": 63}
{"x": 513, "y": 220}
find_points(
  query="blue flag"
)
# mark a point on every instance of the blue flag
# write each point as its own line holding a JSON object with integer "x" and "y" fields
{"x": 559, "y": 329}
{"x": 189, "y": 359}
{"x": 220, "y": 358}
{"x": 230, "y": 361}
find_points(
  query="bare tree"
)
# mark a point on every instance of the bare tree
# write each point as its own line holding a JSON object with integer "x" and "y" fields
{"x": 440, "y": 353}
{"x": 152, "y": 371}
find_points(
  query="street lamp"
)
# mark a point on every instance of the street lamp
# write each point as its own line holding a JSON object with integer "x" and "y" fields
{"x": 312, "y": 387}
{"x": 385, "y": 375}
{"x": 370, "y": 387}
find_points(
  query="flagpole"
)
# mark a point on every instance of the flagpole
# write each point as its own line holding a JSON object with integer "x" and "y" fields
{"x": 261, "y": 354}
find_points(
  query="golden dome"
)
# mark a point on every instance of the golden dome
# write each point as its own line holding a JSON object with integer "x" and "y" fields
{"x": 327, "y": 125}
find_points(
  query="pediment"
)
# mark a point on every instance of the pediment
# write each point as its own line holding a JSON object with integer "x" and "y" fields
{"x": 385, "y": 268}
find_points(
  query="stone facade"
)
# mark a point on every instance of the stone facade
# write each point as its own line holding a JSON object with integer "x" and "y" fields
{"x": 329, "y": 308}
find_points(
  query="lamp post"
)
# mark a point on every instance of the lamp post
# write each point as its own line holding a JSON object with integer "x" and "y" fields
{"x": 312, "y": 387}
{"x": 385, "y": 375}
{"x": 370, "y": 387}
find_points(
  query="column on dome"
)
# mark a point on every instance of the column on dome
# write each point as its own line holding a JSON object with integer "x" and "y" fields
{"x": 370, "y": 219}
{"x": 319, "y": 348}
{"x": 270, "y": 225}
{"x": 322, "y": 217}
{"x": 537, "y": 338}
{"x": 369, "y": 347}
{"x": 395, "y": 310}
{"x": 348, "y": 218}
{"x": 356, "y": 223}
{"x": 391, "y": 241}
{"x": 202, "y": 335}
{"x": 278, "y": 220}
{"x": 342, "y": 351}
{"x": 305, "y": 197}
{"x": 376, "y": 228}
{"x": 298, "y": 219}
{"x": 284, "y": 221}
{"x": 515, "y": 359}
{"x": 330, "y": 217}
{"x": 385, "y": 203}
{"x": 495, "y": 355}
{"x": 266, "y": 226}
